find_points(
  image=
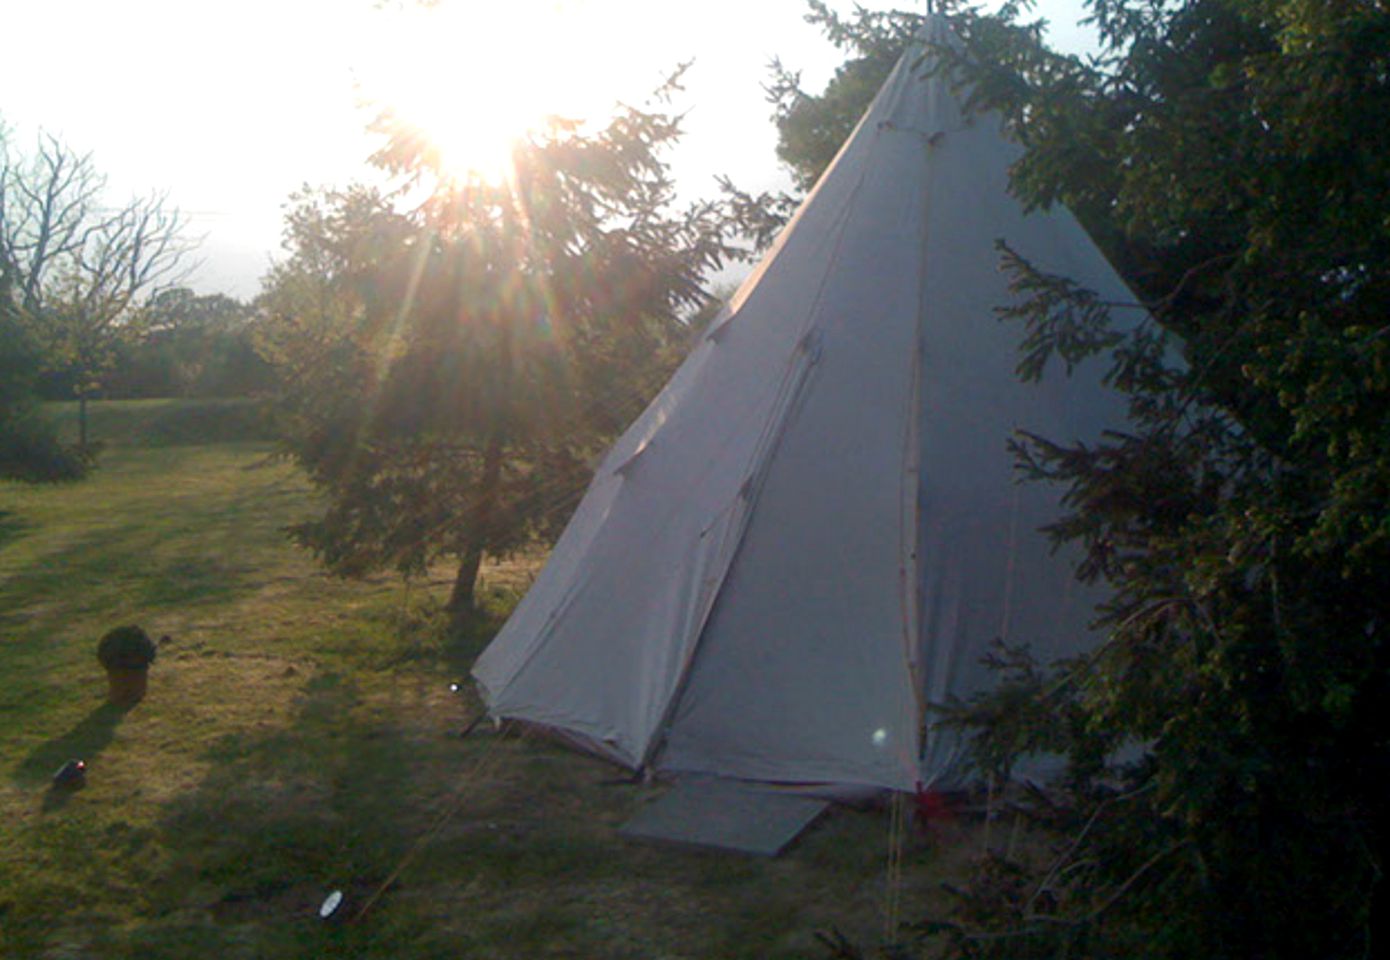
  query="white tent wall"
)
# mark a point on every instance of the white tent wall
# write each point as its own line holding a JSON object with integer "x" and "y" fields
{"x": 600, "y": 642}
{"x": 815, "y": 531}
{"x": 801, "y": 673}
{"x": 987, "y": 571}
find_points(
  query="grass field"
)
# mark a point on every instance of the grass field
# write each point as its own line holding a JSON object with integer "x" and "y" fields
{"x": 299, "y": 735}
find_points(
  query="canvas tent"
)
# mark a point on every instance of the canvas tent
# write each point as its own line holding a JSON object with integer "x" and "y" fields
{"x": 815, "y": 531}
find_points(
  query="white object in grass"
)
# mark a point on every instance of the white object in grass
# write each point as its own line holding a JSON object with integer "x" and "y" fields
{"x": 330, "y": 904}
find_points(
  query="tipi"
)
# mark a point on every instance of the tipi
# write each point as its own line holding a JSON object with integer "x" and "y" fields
{"x": 815, "y": 531}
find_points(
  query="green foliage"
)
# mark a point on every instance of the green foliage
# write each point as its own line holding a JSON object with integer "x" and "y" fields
{"x": 812, "y": 127}
{"x": 29, "y": 449}
{"x": 126, "y": 648}
{"x": 31, "y": 452}
{"x": 74, "y": 269}
{"x": 1229, "y": 158}
{"x": 189, "y": 345}
{"x": 29, "y": 445}
{"x": 452, "y": 370}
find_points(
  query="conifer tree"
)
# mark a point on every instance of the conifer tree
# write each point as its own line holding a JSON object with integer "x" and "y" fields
{"x": 455, "y": 368}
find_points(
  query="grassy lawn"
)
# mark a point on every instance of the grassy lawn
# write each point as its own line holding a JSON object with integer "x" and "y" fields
{"x": 299, "y": 735}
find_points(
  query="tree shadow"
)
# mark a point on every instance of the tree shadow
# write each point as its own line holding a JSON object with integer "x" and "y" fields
{"x": 466, "y": 637}
{"x": 11, "y": 526}
{"x": 281, "y": 818}
{"x": 83, "y": 742}
{"x": 131, "y": 565}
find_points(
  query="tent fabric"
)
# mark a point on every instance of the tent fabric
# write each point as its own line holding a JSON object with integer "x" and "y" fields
{"x": 727, "y": 815}
{"x": 815, "y": 532}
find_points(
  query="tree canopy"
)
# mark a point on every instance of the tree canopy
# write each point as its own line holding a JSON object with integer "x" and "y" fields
{"x": 29, "y": 447}
{"x": 812, "y": 127}
{"x": 188, "y": 344}
{"x": 454, "y": 367}
{"x": 76, "y": 270}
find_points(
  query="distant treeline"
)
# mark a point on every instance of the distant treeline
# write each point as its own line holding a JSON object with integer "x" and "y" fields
{"x": 189, "y": 346}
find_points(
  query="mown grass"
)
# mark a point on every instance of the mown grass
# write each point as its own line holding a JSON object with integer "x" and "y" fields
{"x": 299, "y": 736}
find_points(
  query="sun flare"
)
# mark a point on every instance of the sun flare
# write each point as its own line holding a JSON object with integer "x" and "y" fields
{"x": 474, "y": 78}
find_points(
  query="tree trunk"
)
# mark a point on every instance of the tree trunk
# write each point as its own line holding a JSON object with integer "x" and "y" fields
{"x": 82, "y": 420}
{"x": 462, "y": 599}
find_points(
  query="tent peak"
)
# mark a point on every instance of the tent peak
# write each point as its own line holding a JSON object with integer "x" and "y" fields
{"x": 815, "y": 532}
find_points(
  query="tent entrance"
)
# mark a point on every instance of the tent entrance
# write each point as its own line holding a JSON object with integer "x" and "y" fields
{"x": 726, "y": 815}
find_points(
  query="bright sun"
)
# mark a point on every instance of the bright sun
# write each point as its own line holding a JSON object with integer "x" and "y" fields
{"x": 474, "y": 76}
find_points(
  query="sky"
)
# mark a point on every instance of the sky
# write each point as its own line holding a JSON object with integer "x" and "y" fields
{"x": 229, "y": 107}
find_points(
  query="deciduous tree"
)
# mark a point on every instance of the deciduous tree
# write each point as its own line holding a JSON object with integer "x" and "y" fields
{"x": 188, "y": 344}
{"x": 77, "y": 269}
{"x": 29, "y": 447}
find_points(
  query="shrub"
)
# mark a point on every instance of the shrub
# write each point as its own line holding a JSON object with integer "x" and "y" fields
{"x": 126, "y": 648}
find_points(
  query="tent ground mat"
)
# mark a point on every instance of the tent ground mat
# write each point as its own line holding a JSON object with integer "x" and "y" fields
{"x": 726, "y": 815}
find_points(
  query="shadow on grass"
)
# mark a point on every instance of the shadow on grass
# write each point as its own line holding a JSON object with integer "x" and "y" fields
{"x": 197, "y": 554}
{"x": 422, "y": 633}
{"x": 330, "y": 802}
{"x": 337, "y": 800}
{"x": 467, "y": 636}
{"x": 529, "y": 866}
{"x": 83, "y": 742}
{"x": 11, "y": 526}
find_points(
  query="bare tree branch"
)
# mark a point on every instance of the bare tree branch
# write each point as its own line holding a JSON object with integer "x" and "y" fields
{"x": 79, "y": 269}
